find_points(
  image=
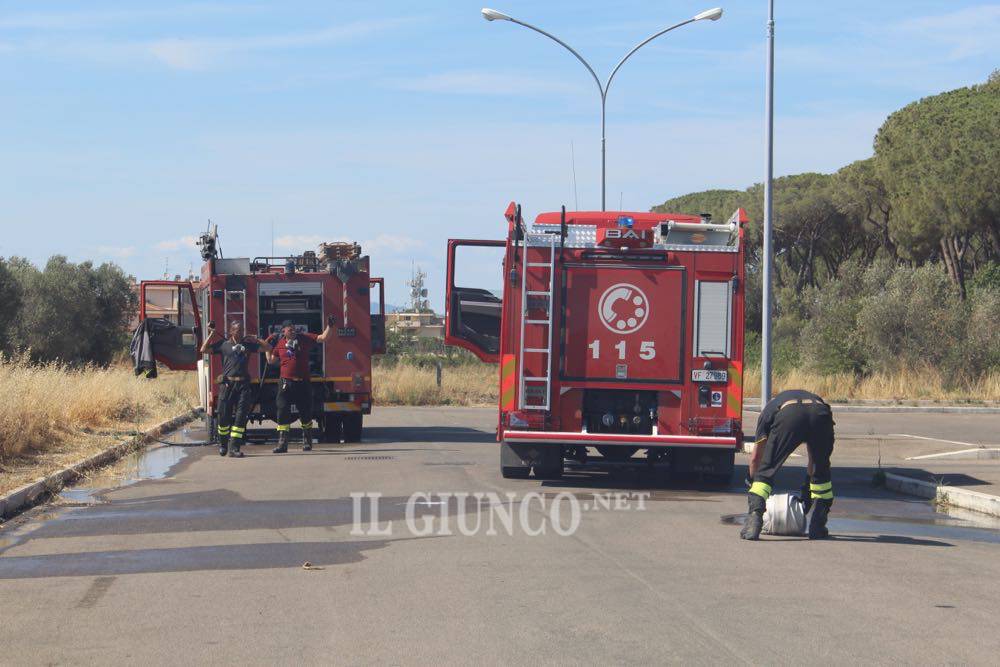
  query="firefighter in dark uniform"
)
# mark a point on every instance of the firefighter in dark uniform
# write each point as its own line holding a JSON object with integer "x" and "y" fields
{"x": 294, "y": 386}
{"x": 235, "y": 392}
{"x": 789, "y": 419}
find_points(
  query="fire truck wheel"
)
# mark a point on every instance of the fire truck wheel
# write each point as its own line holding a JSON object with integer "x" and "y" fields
{"x": 331, "y": 428}
{"x": 512, "y": 466}
{"x": 552, "y": 466}
{"x": 515, "y": 472}
{"x": 353, "y": 424}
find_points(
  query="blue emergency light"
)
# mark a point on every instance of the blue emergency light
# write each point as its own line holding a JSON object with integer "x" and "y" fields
{"x": 625, "y": 221}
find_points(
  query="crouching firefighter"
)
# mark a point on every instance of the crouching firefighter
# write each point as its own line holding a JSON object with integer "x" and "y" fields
{"x": 789, "y": 419}
{"x": 235, "y": 394}
{"x": 294, "y": 386}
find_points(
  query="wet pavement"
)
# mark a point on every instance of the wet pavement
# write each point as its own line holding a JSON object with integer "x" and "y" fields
{"x": 181, "y": 555}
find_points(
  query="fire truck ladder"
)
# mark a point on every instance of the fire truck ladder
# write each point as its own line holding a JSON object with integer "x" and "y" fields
{"x": 228, "y": 314}
{"x": 546, "y": 242}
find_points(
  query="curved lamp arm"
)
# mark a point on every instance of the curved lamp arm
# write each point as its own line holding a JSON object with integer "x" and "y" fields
{"x": 639, "y": 46}
{"x": 493, "y": 15}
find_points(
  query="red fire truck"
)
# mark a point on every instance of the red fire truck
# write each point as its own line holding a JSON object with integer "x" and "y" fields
{"x": 263, "y": 293}
{"x": 615, "y": 332}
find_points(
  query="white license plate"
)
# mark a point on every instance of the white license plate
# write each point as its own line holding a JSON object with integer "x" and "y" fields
{"x": 709, "y": 376}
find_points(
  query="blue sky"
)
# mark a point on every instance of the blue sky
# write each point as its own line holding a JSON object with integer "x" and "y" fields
{"x": 124, "y": 126}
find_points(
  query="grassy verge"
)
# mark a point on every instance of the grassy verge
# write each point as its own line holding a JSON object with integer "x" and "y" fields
{"x": 476, "y": 384}
{"x": 55, "y": 415}
{"x": 466, "y": 384}
{"x": 924, "y": 384}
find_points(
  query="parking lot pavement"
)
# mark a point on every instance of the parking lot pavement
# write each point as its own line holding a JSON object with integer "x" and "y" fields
{"x": 206, "y": 565}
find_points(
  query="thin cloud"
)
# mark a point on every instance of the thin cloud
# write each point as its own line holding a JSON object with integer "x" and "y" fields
{"x": 299, "y": 241}
{"x": 179, "y": 53}
{"x": 184, "y": 242}
{"x": 119, "y": 252}
{"x": 85, "y": 20}
{"x": 965, "y": 33}
{"x": 482, "y": 83}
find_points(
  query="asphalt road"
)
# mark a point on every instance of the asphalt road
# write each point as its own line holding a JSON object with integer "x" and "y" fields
{"x": 206, "y": 564}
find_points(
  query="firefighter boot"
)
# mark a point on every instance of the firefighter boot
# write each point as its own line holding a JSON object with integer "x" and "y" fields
{"x": 223, "y": 445}
{"x": 234, "y": 448}
{"x": 817, "y": 523}
{"x": 755, "y": 517}
{"x": 282, "y": 443}
{"x": 307, "y": 443}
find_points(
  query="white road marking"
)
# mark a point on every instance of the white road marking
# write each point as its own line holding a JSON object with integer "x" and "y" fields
{"x": 977, "y": 445}
{"x": 944, "y": 455}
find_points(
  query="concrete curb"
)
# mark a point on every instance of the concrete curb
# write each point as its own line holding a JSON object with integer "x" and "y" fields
{"x": 31, "y": 494}
{"x": 944, "y": 495}
{"x": 918, "y": 409}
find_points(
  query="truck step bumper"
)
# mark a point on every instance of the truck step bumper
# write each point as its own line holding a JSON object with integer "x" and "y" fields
{"x": 619, "y": 439}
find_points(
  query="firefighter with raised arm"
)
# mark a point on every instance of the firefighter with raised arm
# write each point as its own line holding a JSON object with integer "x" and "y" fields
{"x": 235, "y": 394}
{"x": 789, "y": 419}
{"x": 294, "y": 386}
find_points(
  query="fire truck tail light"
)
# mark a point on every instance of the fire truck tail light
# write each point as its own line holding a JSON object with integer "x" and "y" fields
{"x": 517, "y": 420}
{"x": 527, "y": 420}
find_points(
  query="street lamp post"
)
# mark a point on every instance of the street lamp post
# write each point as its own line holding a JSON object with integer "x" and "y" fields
{"x": 767, "y": 260}
{"x": 710, "y": 15}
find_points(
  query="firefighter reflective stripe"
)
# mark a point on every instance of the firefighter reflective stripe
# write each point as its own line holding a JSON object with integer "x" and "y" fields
{"x": 307, "y": 424}
{"x": 284, "y": 427}
{"x": 238, "y": 432}
{"x": 508, "y": 381}
{"x": 761, "y": 489}
{"x": 734, "y": 391}
{"x": 823, "y": 490}
{"x": 223, "y": 430}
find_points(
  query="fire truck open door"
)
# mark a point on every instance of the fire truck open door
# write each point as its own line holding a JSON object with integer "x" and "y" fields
{"x": 378, "y": 319}
{"x": 176, "y": 331}
{"x": 473, "y": 314}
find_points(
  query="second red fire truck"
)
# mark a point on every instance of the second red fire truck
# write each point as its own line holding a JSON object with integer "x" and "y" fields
{"x": 263, "y": 293}
{"x": 615, "y": 333}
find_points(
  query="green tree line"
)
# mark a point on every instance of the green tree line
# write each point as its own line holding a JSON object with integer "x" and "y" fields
{"x": 76, "y": 313}
{"x": 893, "y": 260}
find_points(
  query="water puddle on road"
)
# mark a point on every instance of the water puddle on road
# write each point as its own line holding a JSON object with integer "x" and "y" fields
{"x": 153, "y": 463}
{"x": 915, "y": 520}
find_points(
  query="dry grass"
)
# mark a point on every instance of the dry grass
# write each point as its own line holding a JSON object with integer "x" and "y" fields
{"x": 477, "y": 385}
{"x": 470, "y": 385}
{"x": 54, "y": 415}
{"x": 926, "y": 384}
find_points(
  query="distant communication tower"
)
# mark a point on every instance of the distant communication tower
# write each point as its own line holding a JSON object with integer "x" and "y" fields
{"x": 418, "y": 293}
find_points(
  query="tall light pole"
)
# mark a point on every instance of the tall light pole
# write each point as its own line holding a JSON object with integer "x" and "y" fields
{"x": 766, "y": 306}
{"x": 494, "y": 15}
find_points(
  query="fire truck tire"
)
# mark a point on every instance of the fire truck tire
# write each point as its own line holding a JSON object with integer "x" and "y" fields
{"x": 331, "y": 428}
{"x": 552, "y": 466}
{"x": 511, "y": 464}
{"x": 353, "y": 425}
